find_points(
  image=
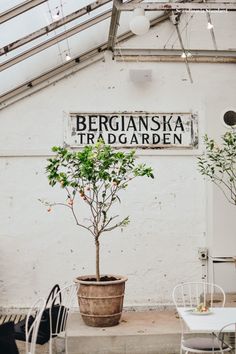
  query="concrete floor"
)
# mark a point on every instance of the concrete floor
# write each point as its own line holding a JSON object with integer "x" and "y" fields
{"x": 41, "y": 349}
{"x": 152, "y": 332}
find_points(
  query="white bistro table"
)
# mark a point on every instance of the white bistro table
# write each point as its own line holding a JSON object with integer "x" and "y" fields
{"x": 212, "y": 322}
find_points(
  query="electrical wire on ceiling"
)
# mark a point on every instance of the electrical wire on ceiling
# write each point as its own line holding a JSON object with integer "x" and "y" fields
{"x": 68, "y": 52}
{"x": 211, "y": 28}
{"x": 54, "y": 15}
{"x": 173, "y": 32}
{"x": 119, "y": 50}
{"x": 169, "y": 38}
{"x": 187, "y": 35}
{"x": 183, "y": 29}
{"x": 176, "y": 21}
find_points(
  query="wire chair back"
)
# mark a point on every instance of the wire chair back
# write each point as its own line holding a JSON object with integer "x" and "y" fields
{"x": 63, "y": 301}
{"x": 31, "y": 329}
{"x": 191, "y": 294}
{"x": 227, "y": 335}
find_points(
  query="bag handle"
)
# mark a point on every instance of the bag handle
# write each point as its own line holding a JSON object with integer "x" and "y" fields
{"x": 55, "y": 290}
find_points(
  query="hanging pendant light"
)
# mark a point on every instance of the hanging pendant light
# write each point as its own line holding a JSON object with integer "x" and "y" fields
{"x": 68, "y": 57}
{"x": 209, "y": 25}
{"x": 139, "y": 23}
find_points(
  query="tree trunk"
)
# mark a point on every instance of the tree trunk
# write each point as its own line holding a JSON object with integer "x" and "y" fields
{"x": 97, "y": 259}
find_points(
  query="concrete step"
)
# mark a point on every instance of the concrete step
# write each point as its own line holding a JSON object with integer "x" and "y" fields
{"x": 152, "y": 332}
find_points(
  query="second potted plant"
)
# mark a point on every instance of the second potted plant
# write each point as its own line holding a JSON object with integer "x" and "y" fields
{"x": 95, "y": 176}
{"x": 218, "y": 164}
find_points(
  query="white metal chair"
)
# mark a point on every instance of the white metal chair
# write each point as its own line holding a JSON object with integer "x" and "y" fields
{"x": 65, "y": 299}
{"x": 230, "y": 330}
{"x": 190, "y": 295}
{"x": 31, "y": 331}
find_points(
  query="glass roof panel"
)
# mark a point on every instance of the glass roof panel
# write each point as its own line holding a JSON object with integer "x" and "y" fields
{"x": 53, "y": 56}
{"x": 37, "y": 18}
{"x": 7, "y": 4}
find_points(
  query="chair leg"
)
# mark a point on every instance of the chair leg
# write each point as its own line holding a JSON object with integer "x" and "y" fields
{"x": 50, "y": 346}
{"x": 66, "y": 344}
{"x": 183, "y": 351}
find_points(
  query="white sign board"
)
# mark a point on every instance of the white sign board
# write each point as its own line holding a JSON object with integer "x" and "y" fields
{"x": 133, "y": 130}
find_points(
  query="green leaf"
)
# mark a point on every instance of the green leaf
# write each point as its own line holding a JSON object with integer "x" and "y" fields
{"x": 107, "y": 171}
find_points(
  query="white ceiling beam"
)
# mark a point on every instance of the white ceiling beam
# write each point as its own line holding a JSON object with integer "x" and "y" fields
{"x": 175, "y": 59}
{"x": 171, "y": 52}
{"x": 178, "y": 6}
{"x": 53, "y": 26}
{"x": 114, "y": 24}
{"x": 183, "y": 49}
{"x": 174, "y": 55}
{"x": 19, "y": 9}
{"x": 115, "y": 18}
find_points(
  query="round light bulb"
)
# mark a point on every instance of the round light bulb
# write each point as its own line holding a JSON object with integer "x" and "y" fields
{"x": 139, "y": 24}
{"x": 209, "y": 25}
{"x": 67, "y": 58}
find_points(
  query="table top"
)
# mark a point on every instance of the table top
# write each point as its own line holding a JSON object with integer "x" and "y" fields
{"x": 212, "y": 322}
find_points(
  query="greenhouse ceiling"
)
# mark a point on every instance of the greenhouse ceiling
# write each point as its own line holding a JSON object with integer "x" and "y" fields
{"x": 43, "y": 39}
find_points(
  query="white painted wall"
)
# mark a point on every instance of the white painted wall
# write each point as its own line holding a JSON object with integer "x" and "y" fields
{"x": 221, "y": 221}
{"x": 221, "y": 213}
{"x": 168, "y": 215}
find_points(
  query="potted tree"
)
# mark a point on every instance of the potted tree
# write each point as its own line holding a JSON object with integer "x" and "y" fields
{"x": 219, "y": 164}
{"x": 95, "y": 176}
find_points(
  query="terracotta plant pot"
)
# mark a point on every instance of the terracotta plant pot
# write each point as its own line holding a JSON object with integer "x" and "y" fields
{"x": 101, "y": 303}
